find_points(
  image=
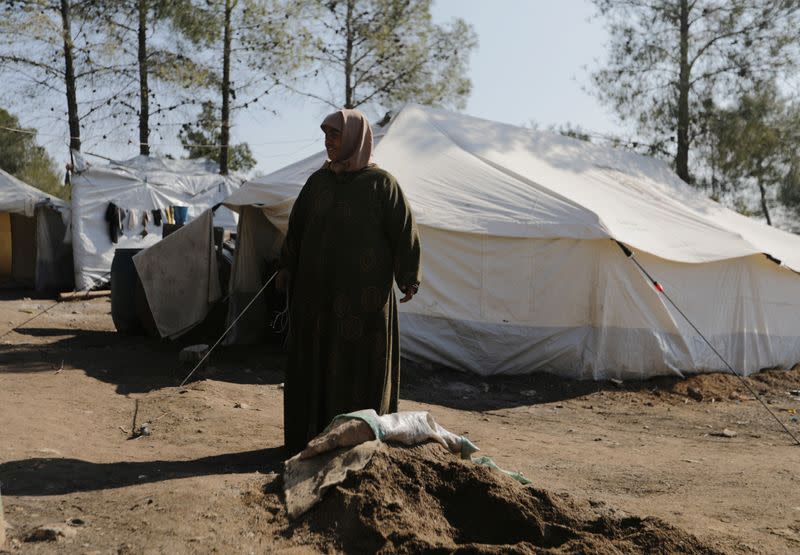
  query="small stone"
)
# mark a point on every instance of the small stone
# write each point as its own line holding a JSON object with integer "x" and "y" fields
{"x": 244, "y": 406}
{"x": 725, "y": 433}
{"x": 76, "y": 522}
{"x": 694, "y": 393}
{"x": 193, "y": 353}
{"x": 51, "y": 532}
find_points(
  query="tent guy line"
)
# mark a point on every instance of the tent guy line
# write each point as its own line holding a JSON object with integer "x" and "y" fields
{"x": 230, "y": 327}
{"x": 133, "y": 433}
{"x": 660, "y": 288}
{"x": 29, "y": 320}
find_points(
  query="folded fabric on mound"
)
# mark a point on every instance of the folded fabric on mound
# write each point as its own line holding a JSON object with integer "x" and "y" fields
{"x": 306, "y": 480}
{"x": 406, "y": 427}
{"x": 323, "y": 464}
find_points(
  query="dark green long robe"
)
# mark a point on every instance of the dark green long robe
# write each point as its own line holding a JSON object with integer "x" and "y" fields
{"x": 349, "y": 236}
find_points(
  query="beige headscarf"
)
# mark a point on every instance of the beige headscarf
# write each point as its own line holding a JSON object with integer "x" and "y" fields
{"x": 356, "y": 151}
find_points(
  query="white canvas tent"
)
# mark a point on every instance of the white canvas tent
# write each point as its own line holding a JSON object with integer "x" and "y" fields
{"x": 33, "y": 252}
{"x": 520, "y": 272}
{"x": 141, "y": 184}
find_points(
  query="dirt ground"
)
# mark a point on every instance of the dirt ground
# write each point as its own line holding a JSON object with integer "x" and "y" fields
{"x": 205, "y": 480}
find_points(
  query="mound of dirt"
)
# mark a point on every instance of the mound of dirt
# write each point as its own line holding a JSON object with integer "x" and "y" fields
{"x": 721, "y": 386}
{"x": 422, "y": 499}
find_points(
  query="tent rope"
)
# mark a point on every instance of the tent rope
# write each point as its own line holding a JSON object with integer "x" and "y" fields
{"x": 660, "y": 288}
{"x": 221, "y": 337}
{"x": 29, "y": 320}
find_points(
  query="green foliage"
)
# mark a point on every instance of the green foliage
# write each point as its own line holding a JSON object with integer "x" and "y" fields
{"x": 388, "y": 52}
{"x": 755, "y": 142}
{"x": 576, "y": 132}
{"x": 789, "y": 191}
{"x": 23, "y": 158}
{"x": 666, "y": 87}
{"x": 202, "y": 138}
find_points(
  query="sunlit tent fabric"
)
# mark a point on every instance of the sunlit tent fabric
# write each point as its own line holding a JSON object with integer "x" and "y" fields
{"x": 33, "y": 251}
{"x": 521, "y": 271}
{"x": 139, "y": 185}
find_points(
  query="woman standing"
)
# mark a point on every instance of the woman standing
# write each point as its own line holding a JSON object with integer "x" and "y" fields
{"x": 351, "y": 234}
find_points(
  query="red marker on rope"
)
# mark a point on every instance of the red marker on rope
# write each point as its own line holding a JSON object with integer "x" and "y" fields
{"x": 658, "y": 286}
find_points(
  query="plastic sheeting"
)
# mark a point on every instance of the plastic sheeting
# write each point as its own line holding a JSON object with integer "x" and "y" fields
{"x": 18, "y": 197}
{"x": 140, "y": 184}
{"x": 180, "y": 277}
{"x": 520, "y": 273}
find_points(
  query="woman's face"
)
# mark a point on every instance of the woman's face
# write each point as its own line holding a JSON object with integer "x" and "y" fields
{"x": 333, "y": 143}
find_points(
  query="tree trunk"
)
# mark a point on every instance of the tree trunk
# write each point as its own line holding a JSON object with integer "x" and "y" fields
{"x": 764, "y": 208}
{"x": 226, "y": 84}
{"x": 69, "y": 79}
{"x": 348, "y": 60}
{"x": 682, "y": 155}
{"x": 144, "y": 92}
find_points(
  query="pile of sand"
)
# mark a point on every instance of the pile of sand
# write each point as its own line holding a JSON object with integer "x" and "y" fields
{"x": 422, "y": 499}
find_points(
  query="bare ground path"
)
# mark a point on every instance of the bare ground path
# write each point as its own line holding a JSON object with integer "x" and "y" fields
{"x": 68, "y": 383}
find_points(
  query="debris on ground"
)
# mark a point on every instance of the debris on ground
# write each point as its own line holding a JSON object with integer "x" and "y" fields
{"x": 51, "y": 532}
{"x": 694, "y": 393}
{"x": 724, "y": 433}
{"x": 193, "y": 353}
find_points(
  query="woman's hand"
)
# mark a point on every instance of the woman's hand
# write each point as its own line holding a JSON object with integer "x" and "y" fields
{"x": 409, "y": 291}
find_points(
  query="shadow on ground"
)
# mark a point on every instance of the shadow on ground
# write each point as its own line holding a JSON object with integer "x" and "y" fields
{"x": 59, "y": 476}
{"x": 135, "y": 364}
{"x": 466, "y": 391}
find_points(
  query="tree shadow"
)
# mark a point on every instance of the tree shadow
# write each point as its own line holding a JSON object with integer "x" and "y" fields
{"x": 136, "y": 364}
{"x": 59, "y": 476}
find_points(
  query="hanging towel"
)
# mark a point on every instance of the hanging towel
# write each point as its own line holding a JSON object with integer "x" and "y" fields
{"x": 114, "y": 219}
{"x": 157, "y": 218}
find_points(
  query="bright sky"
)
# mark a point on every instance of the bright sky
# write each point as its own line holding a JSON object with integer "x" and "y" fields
{"x": 532, "y": 65}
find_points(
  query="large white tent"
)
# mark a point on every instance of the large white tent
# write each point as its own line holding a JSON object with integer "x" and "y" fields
{"x": 139, "y": 185}
{"x": 521, "y": 271}
{"x": 32, "y": 237}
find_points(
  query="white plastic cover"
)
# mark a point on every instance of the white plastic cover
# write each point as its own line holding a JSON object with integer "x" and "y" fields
{"x": 520, "y": 274}
{"x": 18, "y": 197}
{"x": 140, "y": 184}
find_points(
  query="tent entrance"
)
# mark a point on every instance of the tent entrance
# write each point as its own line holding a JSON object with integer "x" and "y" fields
{"x": 5, "y": 247}
{"x": 17, "y": 250}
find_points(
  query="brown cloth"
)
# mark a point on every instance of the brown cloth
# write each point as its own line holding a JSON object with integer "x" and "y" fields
{"x": 356, "y": 151}
{"x": 349, "y": 235}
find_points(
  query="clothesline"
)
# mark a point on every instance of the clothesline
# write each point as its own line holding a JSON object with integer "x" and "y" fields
{"x": 119, "y": 218}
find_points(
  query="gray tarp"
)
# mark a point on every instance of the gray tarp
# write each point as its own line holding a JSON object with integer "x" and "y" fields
{"x": 180, "y": 278}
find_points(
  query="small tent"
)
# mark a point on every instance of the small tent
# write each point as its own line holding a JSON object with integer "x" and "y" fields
{"x": 33, "y": 230}
{"x": 521, "y": 267}
{"x": 125, "y": 204}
